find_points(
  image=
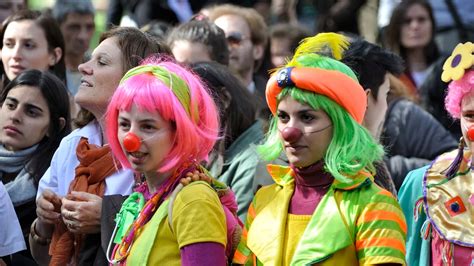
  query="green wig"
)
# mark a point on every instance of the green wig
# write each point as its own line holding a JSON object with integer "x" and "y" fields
{"x": 352, "y": 147}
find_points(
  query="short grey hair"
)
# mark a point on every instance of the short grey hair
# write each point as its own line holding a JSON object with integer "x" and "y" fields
{"x": 63, "y": 7}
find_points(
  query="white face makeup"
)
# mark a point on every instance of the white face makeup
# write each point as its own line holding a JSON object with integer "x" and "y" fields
{"x": 467, "y": 116}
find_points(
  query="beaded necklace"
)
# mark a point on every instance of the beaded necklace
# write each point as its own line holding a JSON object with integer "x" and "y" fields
{"x": 122, "y": 250}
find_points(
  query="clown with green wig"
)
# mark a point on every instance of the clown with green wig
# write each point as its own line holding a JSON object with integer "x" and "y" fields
{"x": 324, "y": 208}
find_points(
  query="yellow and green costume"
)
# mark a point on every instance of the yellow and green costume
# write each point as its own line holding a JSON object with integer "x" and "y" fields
{"x": 356, "y": 223}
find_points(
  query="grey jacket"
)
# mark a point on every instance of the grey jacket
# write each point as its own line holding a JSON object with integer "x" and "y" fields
{"x": 412, "y": 138}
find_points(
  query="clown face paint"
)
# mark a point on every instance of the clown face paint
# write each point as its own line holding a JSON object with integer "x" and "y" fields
{"x": 156, "y": 139}
{"x": 467, "y": 118}
{"x": 305, "y": 132}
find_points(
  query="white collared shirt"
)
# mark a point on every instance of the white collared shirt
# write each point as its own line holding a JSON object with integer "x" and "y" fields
{"x": 61, "y": 171}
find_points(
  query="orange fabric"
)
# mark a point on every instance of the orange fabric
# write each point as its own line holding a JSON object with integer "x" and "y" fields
{"x": 408, "y": 82}
{"x": 385, "y": 193}
{"x": 251, "y": 211}
{"x": 239, "y": 257}
{"x": 387, "y": 215}
{"x": 95, "y": 164}
{"x": 381, "y": 242}
{"x": 331, "y": 83}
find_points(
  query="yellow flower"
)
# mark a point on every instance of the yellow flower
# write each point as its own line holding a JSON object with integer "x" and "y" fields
{"x": 460, "y": 60}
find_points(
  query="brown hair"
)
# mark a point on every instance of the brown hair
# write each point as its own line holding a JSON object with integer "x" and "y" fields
{"x": 257, "y": 25}
{"x": 293, "y": 33}
{"x": 135, "y": 46}
{"x": 398, "y": 90}
{"x": 52, "y": 34}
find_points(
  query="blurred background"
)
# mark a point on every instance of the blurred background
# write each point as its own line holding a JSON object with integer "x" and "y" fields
{"x": 100, "y": 16}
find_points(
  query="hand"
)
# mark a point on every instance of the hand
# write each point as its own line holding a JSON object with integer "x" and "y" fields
{"x": 195, "y": 176}
{"x": 81, "y": 212}
{"x": 48, "y": 207}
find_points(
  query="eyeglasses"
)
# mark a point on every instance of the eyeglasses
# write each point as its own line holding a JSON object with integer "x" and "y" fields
{"x": 235, "y": 39}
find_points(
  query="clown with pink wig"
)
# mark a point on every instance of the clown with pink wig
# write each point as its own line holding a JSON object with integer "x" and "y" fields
{"x": 162, "y": 122}
{"x": 438, "y": 200}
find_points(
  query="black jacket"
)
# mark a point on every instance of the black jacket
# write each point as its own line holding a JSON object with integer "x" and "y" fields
{"x": 141, "y": 11}
{"x": 432, "y": 95}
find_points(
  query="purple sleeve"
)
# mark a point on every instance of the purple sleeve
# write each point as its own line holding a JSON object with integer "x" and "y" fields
{"x": 204, "y": 253}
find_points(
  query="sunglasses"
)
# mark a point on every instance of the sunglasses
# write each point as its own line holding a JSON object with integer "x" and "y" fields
{"x": 235, "y": 39}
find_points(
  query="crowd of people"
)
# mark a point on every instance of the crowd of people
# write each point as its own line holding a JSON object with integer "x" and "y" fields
{"x": 222, "y": 133}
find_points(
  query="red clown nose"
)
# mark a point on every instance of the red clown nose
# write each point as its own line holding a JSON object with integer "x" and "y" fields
{"x": 131, "y": 142}
{"x": 291, "y": 134}
{"x": 470, "y": 133}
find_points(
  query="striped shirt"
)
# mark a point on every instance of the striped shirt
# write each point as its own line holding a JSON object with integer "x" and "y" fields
{"x": 373, "y": 226}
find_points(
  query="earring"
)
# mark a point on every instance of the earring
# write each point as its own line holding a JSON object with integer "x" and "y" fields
{"x": 454, "y": 167}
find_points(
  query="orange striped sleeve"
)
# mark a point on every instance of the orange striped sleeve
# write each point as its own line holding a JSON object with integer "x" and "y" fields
{"x": 381, "y": 231}
{"x": 384, "y": 242}
{"x": 385, "y": 215}
{"x": 243, "y": 255}
{"x": 239, "y": 258}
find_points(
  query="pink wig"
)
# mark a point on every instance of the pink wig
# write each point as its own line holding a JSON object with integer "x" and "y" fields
{"x": 193, "y": 138}
{"x": 457, "y": 89}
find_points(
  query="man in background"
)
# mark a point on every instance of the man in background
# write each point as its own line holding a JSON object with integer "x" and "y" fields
{"x": 247, "y": 37}
{"x": 76, "y": 20}
{"x": 8, "y": 7}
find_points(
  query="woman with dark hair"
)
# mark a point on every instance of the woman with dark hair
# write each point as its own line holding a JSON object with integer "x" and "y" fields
{"x": 31, "y": 40}
{"x": 410, "y": 34}
{"x": 82, "y": 170}
{"x": 34, "y": 118}
{"x": 234, "y": 160}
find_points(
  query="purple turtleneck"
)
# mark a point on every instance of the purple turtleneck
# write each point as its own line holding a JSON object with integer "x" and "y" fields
{"x": 311, "y": 184}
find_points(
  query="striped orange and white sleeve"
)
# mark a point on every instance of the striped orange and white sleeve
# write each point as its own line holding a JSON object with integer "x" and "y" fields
{"x": 381, "y": 231}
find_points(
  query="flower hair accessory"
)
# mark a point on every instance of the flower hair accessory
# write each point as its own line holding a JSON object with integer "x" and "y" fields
{"x": 461, "y": 59}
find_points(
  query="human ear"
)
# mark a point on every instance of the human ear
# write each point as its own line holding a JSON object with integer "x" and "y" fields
{"x": 55, "y": 56}
{"x": 368, "y": 93}
{"x": 62, "y": 123}
{"x": 226, "y": 98}
{"x": 258, "y": 51}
